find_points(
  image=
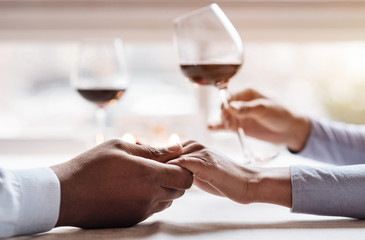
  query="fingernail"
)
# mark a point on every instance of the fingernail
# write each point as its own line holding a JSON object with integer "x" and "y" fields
{"x": 174, "y": 148}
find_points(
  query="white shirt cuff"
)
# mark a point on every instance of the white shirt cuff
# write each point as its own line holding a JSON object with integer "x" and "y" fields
{"x": 39, "y": 200}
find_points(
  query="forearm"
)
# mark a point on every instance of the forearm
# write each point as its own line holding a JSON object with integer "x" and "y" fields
{"x": 272, "y": 185}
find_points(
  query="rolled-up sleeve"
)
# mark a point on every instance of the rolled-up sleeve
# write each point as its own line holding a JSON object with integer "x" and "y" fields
{"x": 29, "y": 201}
{"x": 335, "y": 190}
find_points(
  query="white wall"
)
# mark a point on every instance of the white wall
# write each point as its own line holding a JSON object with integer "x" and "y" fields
{"x": 140, "y": 20}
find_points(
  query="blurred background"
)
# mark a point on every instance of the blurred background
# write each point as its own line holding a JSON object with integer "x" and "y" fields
{"x": 309, "y": 55}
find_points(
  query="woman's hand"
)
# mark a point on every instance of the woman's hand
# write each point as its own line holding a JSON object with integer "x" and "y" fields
{"x": 264, "y": 119}
{"x": 217, "y": 174}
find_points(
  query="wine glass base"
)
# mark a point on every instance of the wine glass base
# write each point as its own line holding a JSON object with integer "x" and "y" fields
{"x": 263, "y": 152}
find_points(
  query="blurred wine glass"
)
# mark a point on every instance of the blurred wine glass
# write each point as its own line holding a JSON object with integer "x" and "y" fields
{"x": 101, "y": 76}
{"x": 210, "y": 53}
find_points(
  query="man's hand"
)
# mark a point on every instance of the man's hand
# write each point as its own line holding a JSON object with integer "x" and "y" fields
{"x": 118, "y": 184}
{"x": 264, "y": 119}
{"x": 217, "y": 174}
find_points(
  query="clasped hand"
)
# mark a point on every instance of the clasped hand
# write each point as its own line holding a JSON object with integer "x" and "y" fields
{"x": 118, "y": 184}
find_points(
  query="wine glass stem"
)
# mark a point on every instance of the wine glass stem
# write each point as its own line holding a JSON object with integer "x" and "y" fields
{"x": 100, "y": 121}
{"x": 247, "y": 154}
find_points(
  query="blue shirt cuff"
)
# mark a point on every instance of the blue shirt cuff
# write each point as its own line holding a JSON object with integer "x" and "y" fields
{"x": 335, "y": 191}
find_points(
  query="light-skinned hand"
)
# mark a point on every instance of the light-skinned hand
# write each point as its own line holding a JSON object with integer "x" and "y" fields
{"x": 219, "y": 175}
{"x": 263, "y": 118}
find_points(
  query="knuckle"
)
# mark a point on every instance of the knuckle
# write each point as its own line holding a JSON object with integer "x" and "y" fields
{"x": 205, "y": 153}
{"x": 208, "y": 159}
{"x": 182, "y": 160}
{"x": 198, "y": 146}
{"x": 211, "y": 163}
{"x": 153, "y": 152}
{"x": 116, "y": 143}
{"x": 250, "y": 90}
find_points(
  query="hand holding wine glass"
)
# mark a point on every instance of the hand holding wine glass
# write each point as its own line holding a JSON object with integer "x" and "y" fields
{"x": 101, "y": 76}
{"x": 265, "y": 119}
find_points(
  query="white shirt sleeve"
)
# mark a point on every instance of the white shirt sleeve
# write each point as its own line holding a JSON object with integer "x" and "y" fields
{"x": 29, "y": 201}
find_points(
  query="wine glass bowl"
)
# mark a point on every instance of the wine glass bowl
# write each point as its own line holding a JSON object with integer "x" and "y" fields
{"x": 210, "y": 74}
{"x": 101, "y": 76}
{"x": 210, "y": 49}
{"x": 206, "y": 36}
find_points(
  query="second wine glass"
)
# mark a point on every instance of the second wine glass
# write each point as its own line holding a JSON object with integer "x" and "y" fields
{"x": 101, "y": 76}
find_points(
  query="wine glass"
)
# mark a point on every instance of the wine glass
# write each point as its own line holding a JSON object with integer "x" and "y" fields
{"x": 210, "y": 53}
{"x": 101, "y": 76}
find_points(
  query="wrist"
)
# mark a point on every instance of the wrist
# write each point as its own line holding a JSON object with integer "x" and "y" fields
{"x": 298, "y": 133}
{"x": 62, "y": 217}
{"x": 272, "y": 185}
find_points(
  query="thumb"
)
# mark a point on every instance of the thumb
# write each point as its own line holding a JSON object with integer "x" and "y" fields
{"x": 162, "y": 154}
{"x": 166, "y": 153}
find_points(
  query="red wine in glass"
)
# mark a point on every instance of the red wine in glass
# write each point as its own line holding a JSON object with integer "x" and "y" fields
{"x": 101, "y": 96}
{"x": 210, "y": 74}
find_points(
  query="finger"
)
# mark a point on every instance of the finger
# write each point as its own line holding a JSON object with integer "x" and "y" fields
{"x": 216, "y": 127}
{"x": 188, "y": 142}
{"x": 228, "y": 121}
{"x": 246, "y": 95}
{"x": 165, "y": 154}
{"x": 192, "y": 147}
{"x": 159, "y": 154}
{"x": 162, "y": 206}
{"x": 174, "y": 177}
{"x": 168, "y": 194}
{"x": 198, "y": 167}
{"x": 251, "y": 109}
